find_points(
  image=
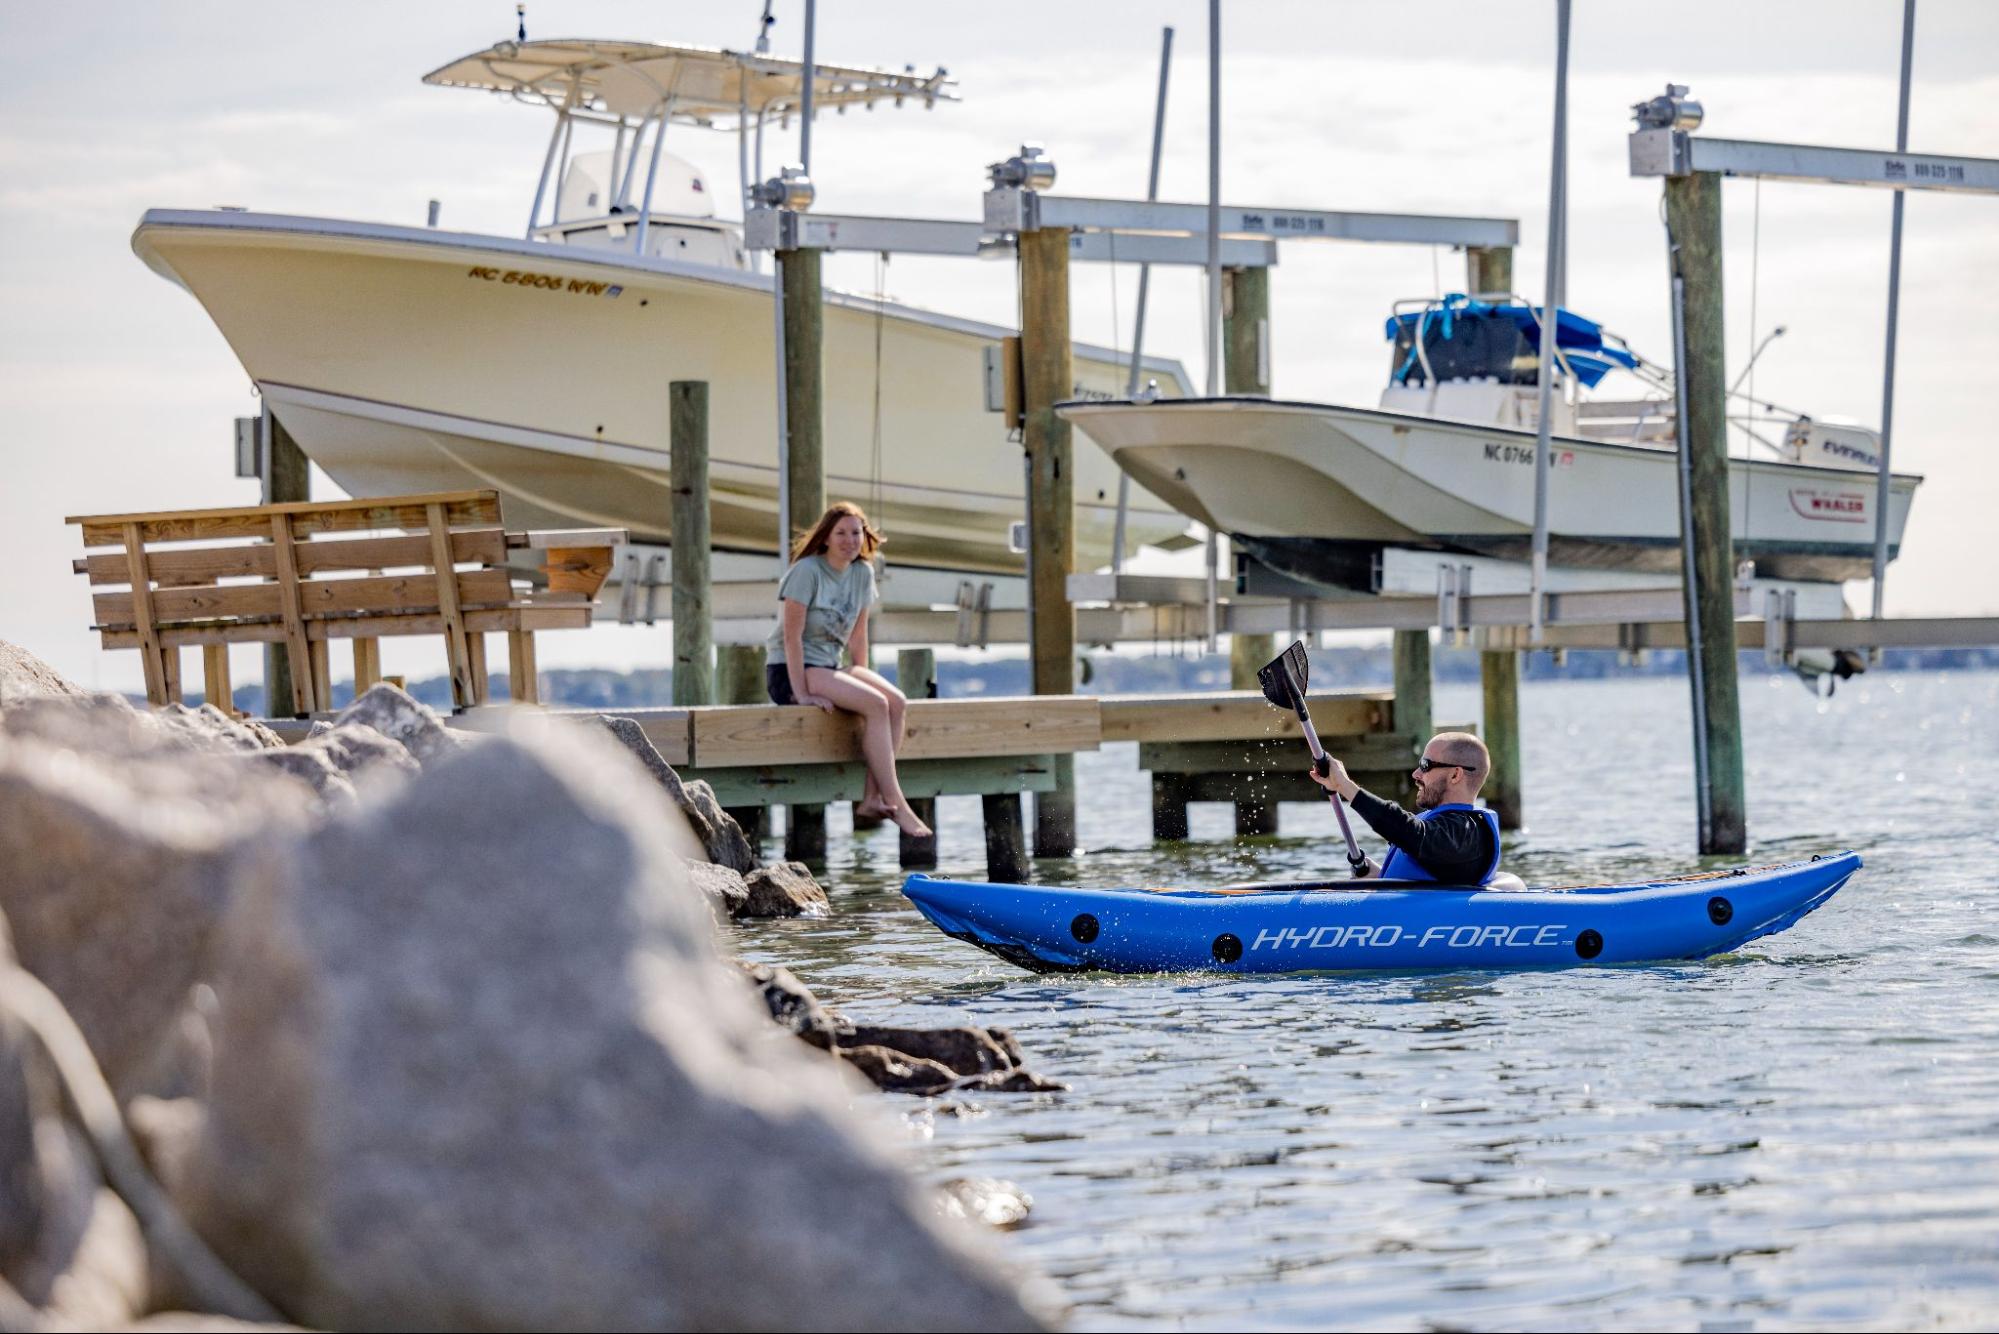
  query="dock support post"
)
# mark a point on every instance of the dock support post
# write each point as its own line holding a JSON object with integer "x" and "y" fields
{"x": 1169, "y": 808}
{"x": 1246, "y": 654}
{"x": 804, "y": 391}
{"x": 1489, "y": 272}
{"x": 1048, "y": 378}
{"x": 1246, "y": 331}
{"x": 739, "y": 679}
{"x": 1412, "y": 686}
{"x": 693, "y": 609}
{"x": 805, "y": 833}
{"x": 1693, "y": 225}
{"x": 1006, "y": 838}
{"x": 1499, "y": 677}
{"x": 805, "y": 466}
{"x": 916, "y": 677}
{"x": 287, "y": 478}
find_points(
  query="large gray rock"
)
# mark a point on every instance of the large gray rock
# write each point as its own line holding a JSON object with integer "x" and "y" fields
{"x": 114, "y": 844}
{"x": 23, "y": 676}
{"x": 209, "y": 728}
{"x": 67, "y": 1244}
{"x": 479, "y": 1066}
{"x": 723, "y": 888}
{"x": 723, "y": 838}
{"x": 784, "y": 889}
{"x": 399, "y": 716}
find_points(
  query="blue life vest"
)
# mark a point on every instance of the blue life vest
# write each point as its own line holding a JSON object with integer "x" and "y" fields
{"x": 1399, "y": 865}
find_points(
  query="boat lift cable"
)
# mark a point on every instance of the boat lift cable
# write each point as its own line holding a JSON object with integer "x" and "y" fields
{"x": 875, "y": 455}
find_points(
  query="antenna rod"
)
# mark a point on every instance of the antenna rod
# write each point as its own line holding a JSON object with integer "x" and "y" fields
{"x": 1551, "y": 324}
{"x": 1144, "y": 288}
{"x": 811, "y": 78}
{"x": 1883, "y": 477}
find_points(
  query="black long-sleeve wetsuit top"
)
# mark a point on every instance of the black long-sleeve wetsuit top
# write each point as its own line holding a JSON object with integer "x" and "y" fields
{"x": 1453, "y": 846}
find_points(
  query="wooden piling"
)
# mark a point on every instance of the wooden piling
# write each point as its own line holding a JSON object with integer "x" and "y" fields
{"x": 1246, "y": 331}
{"x": 693, "y": 611}
{"x": 916, "y": 677}
{"x": 1693, "y": 221}
{"x": 1412, "y": 686}
{"x": 739, "y": 679}
{"x": 287, "y": 477}
{"x": 804, "y": 388}
{"x": 1006, "y": 838}
{"x": 1246, "y": 654}
{"x": 1048, "y": 377}
{"x": 1499, "y": 679}
{"x": 805, "y": 833}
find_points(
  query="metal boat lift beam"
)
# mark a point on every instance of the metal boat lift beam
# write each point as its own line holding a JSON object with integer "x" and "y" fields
{"x": 1017, "y": 208}
{"x": 1665, "y": 152}
{"x": 787, "y": 229}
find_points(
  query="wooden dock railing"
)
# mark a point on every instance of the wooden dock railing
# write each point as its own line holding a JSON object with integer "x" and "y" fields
{"x": 298, "y": 575}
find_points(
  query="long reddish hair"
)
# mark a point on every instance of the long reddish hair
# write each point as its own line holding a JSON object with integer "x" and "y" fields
{"x": 814, "y": 542}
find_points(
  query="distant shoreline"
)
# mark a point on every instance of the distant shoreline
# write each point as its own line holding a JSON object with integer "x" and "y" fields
{"x": 1111, "y": 674}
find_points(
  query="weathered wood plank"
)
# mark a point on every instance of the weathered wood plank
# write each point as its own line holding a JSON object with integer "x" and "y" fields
{"x": 815, "y": 784}
{"x": 316, "y": 597}
{"x": 215, "y": 688}
{"x": 775, "y": 734}
{"x": 577, "y": 571}
{"x": 298, "y": 655}
{"x": 457, "y": 653}
{"x": 523, "y": 680}
{"x": 463, "y": 509}
{"x": 176, "y": 565}
{"x": 1228, "y": 715}
{"x": 273, "y": 632}
{"x": 1370, "y": 750}
{"x": 1280, "y": 787}
{"x": 141, "y": 598}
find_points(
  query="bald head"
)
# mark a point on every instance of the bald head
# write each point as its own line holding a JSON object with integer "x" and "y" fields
{"x": 1458, "y": 763}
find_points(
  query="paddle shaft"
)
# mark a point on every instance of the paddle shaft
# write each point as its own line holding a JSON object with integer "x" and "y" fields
{"x": 1319, "y": 763}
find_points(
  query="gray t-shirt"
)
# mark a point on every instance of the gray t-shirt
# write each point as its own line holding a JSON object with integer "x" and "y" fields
{"x": 833, "y": 600}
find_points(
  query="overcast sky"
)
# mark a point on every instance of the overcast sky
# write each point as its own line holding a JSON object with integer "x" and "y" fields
{"x": 116, "y": 393}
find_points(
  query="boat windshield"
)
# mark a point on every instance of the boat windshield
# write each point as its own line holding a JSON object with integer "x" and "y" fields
{"x": 1462, "y": 338}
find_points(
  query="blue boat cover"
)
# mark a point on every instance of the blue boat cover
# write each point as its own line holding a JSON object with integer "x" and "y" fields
{"x": 1580, "y": 340}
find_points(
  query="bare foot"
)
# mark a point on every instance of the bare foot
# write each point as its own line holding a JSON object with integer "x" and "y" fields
{"x": 874, "y": 810}
{"x": 905, "y": 820}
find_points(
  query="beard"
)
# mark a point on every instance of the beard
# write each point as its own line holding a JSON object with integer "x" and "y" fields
{"x": 1427, "y": 800}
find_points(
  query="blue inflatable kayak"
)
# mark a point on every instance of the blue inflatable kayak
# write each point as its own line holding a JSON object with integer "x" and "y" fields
{"x": 1376, "y": 924}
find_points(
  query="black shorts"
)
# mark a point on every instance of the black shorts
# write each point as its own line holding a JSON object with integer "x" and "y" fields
{"x": 777, "y": 683}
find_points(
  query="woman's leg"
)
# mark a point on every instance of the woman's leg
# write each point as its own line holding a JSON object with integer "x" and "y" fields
{"x": 877, "y": 742}
{"x": 898, "y": 703}
{"x": 872, "y": 802}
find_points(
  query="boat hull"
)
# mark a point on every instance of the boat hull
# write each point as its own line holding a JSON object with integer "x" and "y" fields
{"x": 1313, "y": 489}
{"x": 1350, "y": 925}
{"x": 410, "y": 360}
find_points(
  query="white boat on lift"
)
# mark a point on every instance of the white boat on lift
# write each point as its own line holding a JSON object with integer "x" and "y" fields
{"x": 1446, "y": 462}
{"x": 412, "y": 359}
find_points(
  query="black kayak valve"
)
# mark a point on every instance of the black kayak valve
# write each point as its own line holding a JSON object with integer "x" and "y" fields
{"x": 1720, "y": 910}
{"x": 1588, "y": 945}
{"x": 1228, "y": 948}
{"x": 1084, "y": 928}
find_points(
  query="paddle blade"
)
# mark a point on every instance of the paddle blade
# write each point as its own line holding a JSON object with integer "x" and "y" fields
{"x": 1283, "y": 678}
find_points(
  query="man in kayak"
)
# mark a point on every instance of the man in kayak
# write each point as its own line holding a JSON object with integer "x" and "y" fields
{"x": 1448, "y": 839}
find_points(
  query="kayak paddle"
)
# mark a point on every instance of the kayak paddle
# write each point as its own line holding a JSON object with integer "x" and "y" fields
{"x": 1283, "y": 679}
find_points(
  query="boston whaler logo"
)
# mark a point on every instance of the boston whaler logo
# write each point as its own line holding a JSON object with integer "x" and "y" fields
{"x": 1442, "y": 937}
{"x": 1840, "y": 506}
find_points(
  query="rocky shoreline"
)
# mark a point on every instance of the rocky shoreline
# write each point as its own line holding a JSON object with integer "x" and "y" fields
{"x": 410, "y": 1026}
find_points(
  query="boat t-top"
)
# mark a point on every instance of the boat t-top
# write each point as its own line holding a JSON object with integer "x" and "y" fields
{"x": 1446, "y": 460}
{"x": 414, "y": 359}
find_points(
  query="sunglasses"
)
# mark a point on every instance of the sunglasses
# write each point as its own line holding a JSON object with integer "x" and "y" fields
{"x": 1426, "y": 764}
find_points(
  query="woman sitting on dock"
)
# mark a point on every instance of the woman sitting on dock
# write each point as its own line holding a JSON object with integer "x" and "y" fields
{"x": 825, "y": 597}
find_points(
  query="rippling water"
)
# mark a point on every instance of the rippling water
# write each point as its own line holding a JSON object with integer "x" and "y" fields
{"x": 1805, "y": 1134}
